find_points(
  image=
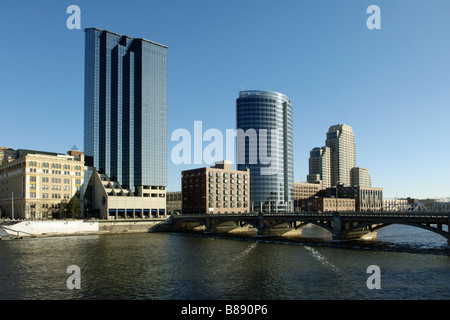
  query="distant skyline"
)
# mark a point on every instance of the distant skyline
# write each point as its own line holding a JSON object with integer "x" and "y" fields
{"x": 391, "y": 85}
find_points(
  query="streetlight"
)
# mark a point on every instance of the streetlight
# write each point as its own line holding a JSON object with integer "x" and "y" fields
{"x": 12, "y": 205}
{"x": 336, "y": 198}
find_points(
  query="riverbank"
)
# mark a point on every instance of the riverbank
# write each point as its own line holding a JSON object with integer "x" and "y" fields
{"x": 53, "y": 228}
{"x": 41, "y": 229}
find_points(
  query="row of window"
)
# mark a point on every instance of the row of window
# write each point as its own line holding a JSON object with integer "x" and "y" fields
{"x": 231, "y": 205}
{"x": 225, "y": 180}
{"x": 218, "y": 186}
{"x": 218, "y": 191}
{"x": 340, "y": 203}
{"x": 67, "y": 173}
{"x": 54, "y": 165}
{"x": 52, "y": 196}
{"x": 54, "y": 180}
{"x": 225, "y": 198}
{"x": 218, "y": 174}
{"x": 45, "y": 187}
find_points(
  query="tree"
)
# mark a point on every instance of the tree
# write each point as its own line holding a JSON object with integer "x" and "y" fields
{"x": 71, "y": 208}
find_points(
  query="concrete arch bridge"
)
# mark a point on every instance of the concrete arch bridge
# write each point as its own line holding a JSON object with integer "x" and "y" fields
{"x": 341, "y": 225}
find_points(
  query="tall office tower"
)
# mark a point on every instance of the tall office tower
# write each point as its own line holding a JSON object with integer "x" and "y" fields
{"x": 125, "y": 115}
{"x": 319, "y": 166}
{"x": 341, "y": 141}
{"x": 360, "y": 177}
{"x": 265, "y": 146}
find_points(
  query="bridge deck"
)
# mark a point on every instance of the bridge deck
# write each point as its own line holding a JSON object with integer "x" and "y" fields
{"x": 341, "y": 224}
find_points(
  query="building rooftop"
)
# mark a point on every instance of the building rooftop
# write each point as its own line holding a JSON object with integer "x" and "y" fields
{"x": 121, "y": 35}
{"x": 243, "y": 94}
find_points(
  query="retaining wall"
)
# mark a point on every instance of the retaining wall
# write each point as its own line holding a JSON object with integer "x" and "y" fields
{"x": 52, "y": 226}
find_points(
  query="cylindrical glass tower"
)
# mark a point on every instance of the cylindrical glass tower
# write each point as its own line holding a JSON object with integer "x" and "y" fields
{"x": 265, "y": 146}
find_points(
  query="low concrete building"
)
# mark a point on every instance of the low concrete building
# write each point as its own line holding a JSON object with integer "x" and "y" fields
{"x": 367, "y": 198}
{"x": 173, "y": 202}
{"x": 304, "y": 190}
{"x": 106, "y": 199}
{"x": 394, "y": 204}
{"x": 327, "y": 205}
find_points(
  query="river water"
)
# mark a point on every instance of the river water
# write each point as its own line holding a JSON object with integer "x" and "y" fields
{"x": 413, "y": 264}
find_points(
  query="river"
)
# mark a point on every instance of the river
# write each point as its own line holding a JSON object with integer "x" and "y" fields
{"x": 413, "y": 264}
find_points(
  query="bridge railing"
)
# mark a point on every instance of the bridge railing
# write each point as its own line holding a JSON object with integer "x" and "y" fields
{"x": 320, "y": 214}
{"x": 404, "y": 207}
{"x": 440, "y": 206}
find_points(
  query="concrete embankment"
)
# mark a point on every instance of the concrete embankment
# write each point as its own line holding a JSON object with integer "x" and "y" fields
{"x": 129, "y": 226}
{"x": 19, "y": 229}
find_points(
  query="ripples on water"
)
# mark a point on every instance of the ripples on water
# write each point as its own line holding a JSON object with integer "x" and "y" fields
{"x": 179, "y": 266}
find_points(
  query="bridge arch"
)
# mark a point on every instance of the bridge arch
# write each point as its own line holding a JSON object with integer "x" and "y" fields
{"x": 341, "y": 225}
{"x": 216, "y": 223}
{"x": 373, "y": 226}
{"x": 179, "y": 222}
{"x": 302, "y": 224}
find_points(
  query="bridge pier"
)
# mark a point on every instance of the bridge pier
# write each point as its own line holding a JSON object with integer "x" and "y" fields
{"x": 337, "y": 226}
{"x": 208, "y": 224}
{"x": 342, "y": 225}
{"x": 448, "y": 231}
{"x": 270, "y": 226}
{"x": 340, "y": 230}
{"x": 261, "y": 230}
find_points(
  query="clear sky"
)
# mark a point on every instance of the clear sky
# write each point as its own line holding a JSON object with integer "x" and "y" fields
{"x": 391, "y": 85}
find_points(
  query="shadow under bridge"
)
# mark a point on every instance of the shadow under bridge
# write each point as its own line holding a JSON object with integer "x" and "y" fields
{"x": 341, "y": 225}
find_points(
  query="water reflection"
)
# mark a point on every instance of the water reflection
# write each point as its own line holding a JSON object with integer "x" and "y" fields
{"x": 179, "y": 266}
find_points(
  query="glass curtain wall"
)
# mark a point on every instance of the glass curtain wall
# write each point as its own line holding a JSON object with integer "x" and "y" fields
{"x": 271, "y": 177}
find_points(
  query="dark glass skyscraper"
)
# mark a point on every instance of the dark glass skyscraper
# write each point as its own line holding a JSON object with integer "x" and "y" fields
{"x": 272, "y": 174}
{"x": 125, "y": 115}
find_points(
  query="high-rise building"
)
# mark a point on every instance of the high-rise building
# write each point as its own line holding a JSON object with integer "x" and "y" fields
{"x": 319, "y": 166}
{"x": 265, "y": 118}
{"x": 125, "y": 115}
{"x": 341, "y": 141}
{"x": 360, "y": 177}
{"x": 125, "y": 127}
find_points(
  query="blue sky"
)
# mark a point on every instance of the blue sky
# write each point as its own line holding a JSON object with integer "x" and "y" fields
{"x": 392, "y": 85}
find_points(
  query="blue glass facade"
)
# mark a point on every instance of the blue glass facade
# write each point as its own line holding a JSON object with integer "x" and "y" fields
{"x": 268, "y": 110}
{"x": 125, "y": 117}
